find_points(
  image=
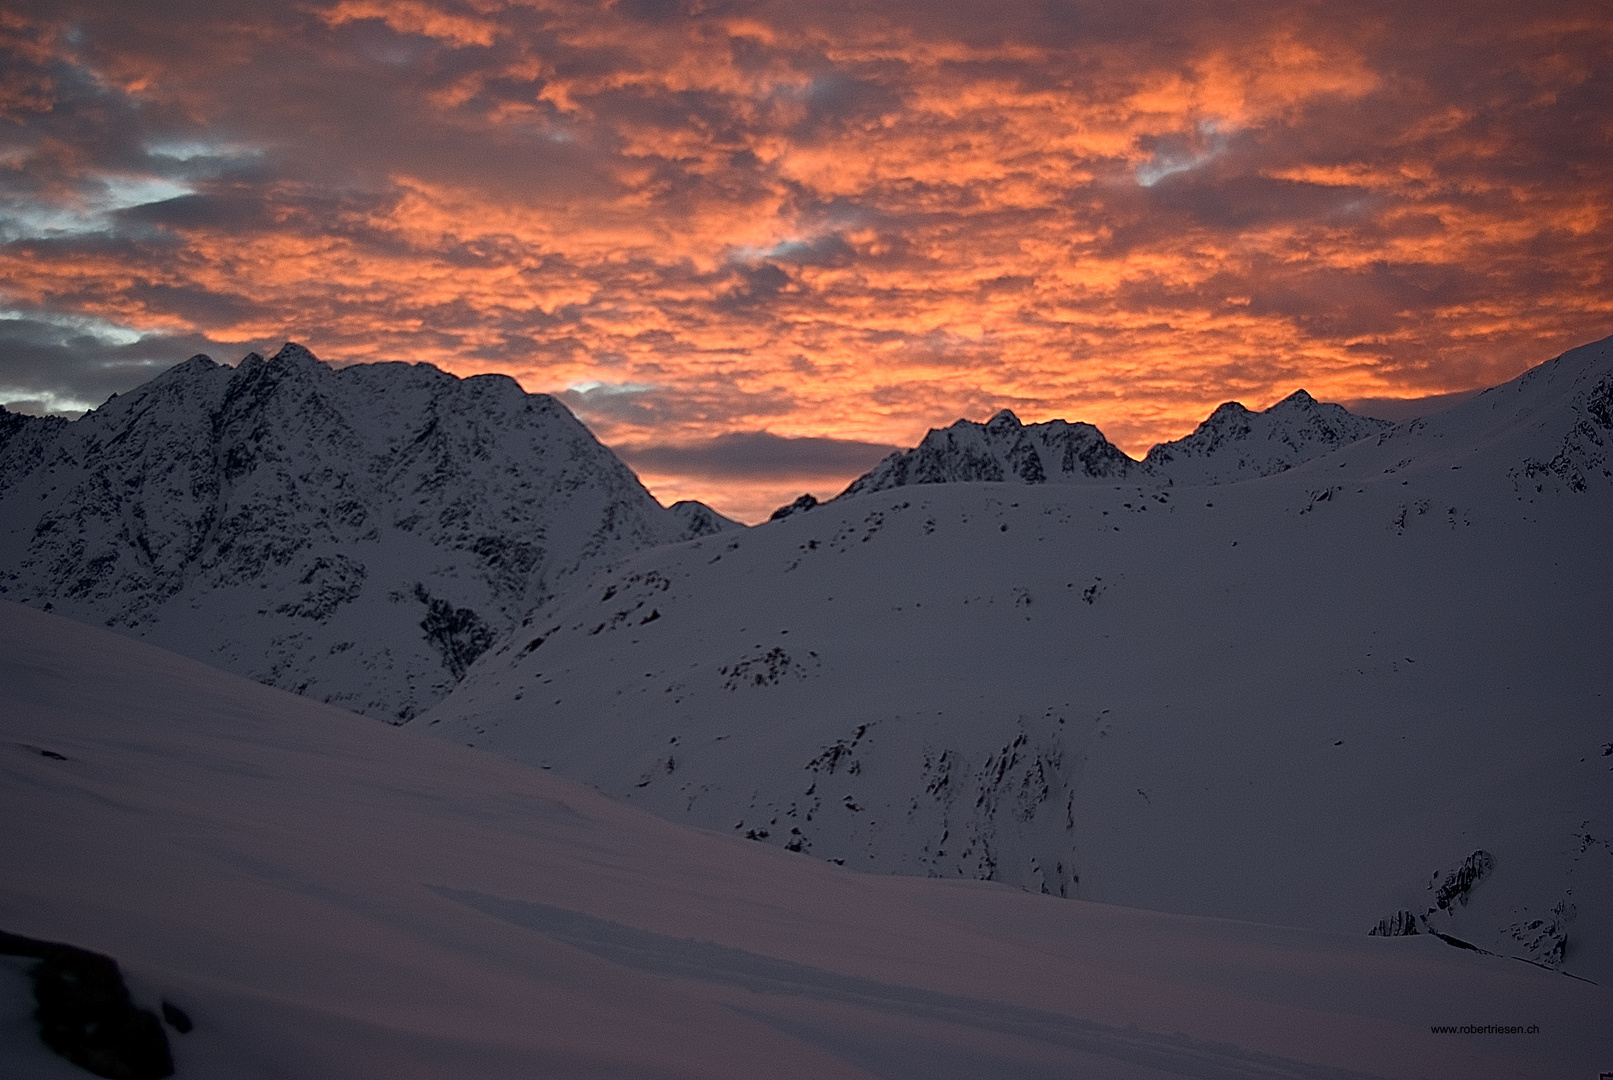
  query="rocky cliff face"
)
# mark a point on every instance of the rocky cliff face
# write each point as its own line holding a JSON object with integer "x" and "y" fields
{"x": 357, "y": 534}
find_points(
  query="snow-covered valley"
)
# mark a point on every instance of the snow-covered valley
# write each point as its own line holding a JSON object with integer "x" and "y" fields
{"x": 328, "y": 897}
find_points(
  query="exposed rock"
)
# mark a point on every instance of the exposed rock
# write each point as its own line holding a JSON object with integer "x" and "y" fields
{"x": 85, "y": 1014}
{"x": 799, "y": 506}
{"x": 1237, "y": 444}
{"x": 1401, "y": 924}
{"x": 1459, "y": 883}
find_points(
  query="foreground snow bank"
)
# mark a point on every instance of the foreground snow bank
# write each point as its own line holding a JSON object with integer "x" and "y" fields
{"x": 329, "y": 897}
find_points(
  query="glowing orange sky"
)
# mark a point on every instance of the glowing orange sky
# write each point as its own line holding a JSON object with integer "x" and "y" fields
{"x": 849, "y": 222}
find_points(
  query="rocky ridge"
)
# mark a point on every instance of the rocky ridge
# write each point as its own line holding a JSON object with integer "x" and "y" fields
{"x": 1232, "y": 444}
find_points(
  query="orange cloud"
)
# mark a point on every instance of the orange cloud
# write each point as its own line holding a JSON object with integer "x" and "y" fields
{"x": 414, "y": 17}
{"x": 814, "y": 221}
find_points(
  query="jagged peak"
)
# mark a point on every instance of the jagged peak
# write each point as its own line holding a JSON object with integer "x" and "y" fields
{"x": 1299, "y": 398}
{"x": 1004, "y": 419}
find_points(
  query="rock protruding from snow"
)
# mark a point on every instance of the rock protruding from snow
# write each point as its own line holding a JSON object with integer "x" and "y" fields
{"x": 1237, "y": 444}
{"x": 801, "y": 505}
{"x": 85, "y": 1013}
{"x": 356, "y": 534}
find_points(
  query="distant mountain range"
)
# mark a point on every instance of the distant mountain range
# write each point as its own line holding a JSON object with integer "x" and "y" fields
{"x": 1369, "y": 691}
{"x": 1232, "y": 444}
{"x": 358, "y": 534}
{"x": 361, "y": 534}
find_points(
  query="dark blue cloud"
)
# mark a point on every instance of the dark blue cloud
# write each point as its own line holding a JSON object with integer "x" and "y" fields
{"x": 758, "y": 454}
{"x": 63, "y": 365}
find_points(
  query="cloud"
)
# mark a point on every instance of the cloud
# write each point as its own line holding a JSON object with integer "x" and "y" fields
{"x": 1396, "y": 410}
{"x": 66, "y": 366}
{"x": 758, "y": 454}
{"x": 819, "y": 220}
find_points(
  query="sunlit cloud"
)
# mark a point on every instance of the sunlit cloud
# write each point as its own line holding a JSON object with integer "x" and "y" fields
{"x": 78, "y": 326}
{"x": 694, "y": 222}
{"x": 84, "y": 212}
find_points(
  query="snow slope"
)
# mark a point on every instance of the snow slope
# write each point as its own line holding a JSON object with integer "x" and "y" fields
{"x": 357, "y": 534}
{"x": 1373, "y": 688}
{"x": 1232, "y": 444}
{"x": 328, "y": 897}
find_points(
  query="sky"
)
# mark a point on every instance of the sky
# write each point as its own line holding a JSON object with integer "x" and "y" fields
{"x": 756, "y": 245}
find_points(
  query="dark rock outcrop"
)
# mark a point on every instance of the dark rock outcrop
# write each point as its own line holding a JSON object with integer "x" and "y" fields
{"x": 85, "y": 1013}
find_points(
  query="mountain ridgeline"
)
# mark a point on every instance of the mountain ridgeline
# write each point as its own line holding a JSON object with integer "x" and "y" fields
{"x": 1233, "y": 444}
{"x": 356, "y": 534}
{"x": 363, "y": 534}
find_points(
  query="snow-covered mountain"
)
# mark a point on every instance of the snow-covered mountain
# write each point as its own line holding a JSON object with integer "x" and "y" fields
{"x": 1002, "y": 449}
{"x": 356, "y": 534}
{"x": 1368, "y": 692}
{"x": 328, "y": 898}
{"x": 698, "y": 519}
{"x": 1232, "y": 444}
{"x": 1236, "y": 444}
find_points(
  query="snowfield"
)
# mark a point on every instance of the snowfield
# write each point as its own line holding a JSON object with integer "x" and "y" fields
{"x": 1369, "y": 693}
{"x": 327, "y": 896}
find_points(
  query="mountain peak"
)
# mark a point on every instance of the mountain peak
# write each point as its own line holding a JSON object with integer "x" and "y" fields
{"x": 1000, "y": 449}
{"x": 1227, "y": 410}
{"x": 701, "y": 520}
{"x": 292, "y": 354}
{"x": 400, "y": 518}
{"x": 1234, "y": 443}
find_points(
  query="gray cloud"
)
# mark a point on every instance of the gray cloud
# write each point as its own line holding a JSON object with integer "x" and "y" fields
{"x": 1397, "y": 409}
{"x": 66, "y": 368}
{"x": 756, "y": 455}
